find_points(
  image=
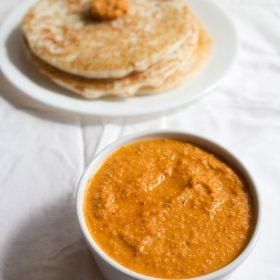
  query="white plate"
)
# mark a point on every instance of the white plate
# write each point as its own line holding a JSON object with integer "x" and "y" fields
{"x": 19, "y": 71}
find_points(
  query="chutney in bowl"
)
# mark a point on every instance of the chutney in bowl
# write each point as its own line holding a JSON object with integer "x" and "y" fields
{"x": 166, "y": 208}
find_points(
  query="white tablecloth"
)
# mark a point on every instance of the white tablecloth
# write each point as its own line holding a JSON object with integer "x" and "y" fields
{"x": 43, "y": 153}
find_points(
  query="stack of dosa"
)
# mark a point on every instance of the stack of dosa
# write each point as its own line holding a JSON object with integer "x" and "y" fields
{"x": 153, "y": 48}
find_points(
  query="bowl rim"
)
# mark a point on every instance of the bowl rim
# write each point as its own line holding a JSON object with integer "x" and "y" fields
{"x": 180, "y": 135}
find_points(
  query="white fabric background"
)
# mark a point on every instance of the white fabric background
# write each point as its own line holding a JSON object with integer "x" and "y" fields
{"x": 43, "y": 153}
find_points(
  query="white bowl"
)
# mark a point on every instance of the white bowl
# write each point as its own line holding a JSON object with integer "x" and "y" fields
{"x": 111, "y": 269}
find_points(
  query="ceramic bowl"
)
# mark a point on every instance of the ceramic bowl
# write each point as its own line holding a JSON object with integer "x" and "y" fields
{"x": 111, "y": 269}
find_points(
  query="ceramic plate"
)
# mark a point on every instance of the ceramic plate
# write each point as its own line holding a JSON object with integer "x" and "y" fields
{"x": 20, "y": 72}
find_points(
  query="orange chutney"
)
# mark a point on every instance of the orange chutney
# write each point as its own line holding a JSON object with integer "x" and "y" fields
{"x": 168, "y": 209}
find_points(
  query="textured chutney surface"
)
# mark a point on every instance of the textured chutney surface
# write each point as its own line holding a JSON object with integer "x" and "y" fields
{"x": 168, "y": 209}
